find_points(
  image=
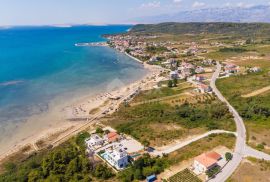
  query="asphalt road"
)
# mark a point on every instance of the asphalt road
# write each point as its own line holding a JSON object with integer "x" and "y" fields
{"x": 241, "y": 149}
{"x": 238, "y": 155}
{"x": 182, "y": 144}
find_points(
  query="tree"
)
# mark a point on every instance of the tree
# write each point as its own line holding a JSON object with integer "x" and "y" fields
{"x": 101, "y": 171}
{"x": 99, "y": 130}
{"x": 147, "y": 171}
{"x": 10, "y": 167}
{"x": 72, "y": 168}
{"x": 175, "y": 82}
{"x": 228, "y": 156}
{"x": 146, "y": 143}
{"x": 212, "y": 172}
{"x": 35, "y": 175}
{"x": 138, "y": 174}
{"x": 170, "y": 84}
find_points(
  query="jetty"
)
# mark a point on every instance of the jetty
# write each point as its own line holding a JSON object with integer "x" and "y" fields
{"x": 92, "y": 44}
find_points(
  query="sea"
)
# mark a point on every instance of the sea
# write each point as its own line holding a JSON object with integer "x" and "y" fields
{"x": 39, "y": 65}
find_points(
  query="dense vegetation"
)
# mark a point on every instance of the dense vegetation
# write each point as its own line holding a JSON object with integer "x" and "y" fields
{"x": 143, "y": 167}
{"x": 160, "y": 93}
{"x": 197, "y": 28}
{"x": 234, "y": 49}
{"x": 68, "y": 162}
{"x": 141, "y": 121}
{"x": 154, "y": 50}
{"x": 253, "y": 108}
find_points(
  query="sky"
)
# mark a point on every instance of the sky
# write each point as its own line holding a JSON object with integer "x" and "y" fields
{"x": 56, "y": 12}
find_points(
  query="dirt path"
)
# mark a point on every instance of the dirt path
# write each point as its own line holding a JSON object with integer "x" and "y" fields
{"x": 161, "y": 99}
{"x": 257, "y": 92}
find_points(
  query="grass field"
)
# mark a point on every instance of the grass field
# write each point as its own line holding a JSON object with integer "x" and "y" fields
{"x": 162, "y": 92}
{"x": 254, "y": 110}
{"x": 184, "y": 176}
{"x": 160, "y": 124}
{"x": 201, "y": 146}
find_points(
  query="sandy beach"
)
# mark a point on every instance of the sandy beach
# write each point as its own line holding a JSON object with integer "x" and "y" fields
{"x": 65, "y": 119}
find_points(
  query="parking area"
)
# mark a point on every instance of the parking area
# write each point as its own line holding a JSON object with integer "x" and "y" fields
{"x": 131, "y": 145}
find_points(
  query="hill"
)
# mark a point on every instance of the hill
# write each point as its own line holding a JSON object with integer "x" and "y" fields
{"x": 259, "y": 13}
{"x": 206, "y": 28}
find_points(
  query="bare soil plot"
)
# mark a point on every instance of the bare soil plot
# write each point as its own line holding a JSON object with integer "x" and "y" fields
{"x": 251, "y": 171}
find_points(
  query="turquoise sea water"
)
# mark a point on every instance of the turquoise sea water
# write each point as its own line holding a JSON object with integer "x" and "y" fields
{"x": 39, "y": 64}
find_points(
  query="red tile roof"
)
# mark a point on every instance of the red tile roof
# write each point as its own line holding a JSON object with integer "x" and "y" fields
{"x": 112, "y": 136}
{"x": 208, "y": 159}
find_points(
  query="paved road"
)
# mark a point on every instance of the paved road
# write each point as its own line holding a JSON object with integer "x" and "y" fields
{"x": 241, "y": 149}
{"x": 238, "y": 155}
{"x": 180, "y": 145}
{"x": 256, "y": 154}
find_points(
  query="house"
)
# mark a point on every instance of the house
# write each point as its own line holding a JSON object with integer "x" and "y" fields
{"x": 94, "y": 140}
{"x": 170, "y": 63}
{"x": 198, "y": 78}
{"x": 112, "y": 137}
{"x": 199, "y": 70}
{"x": 153, "y": 59}
{"x": 174, "y": 75}
{"x": 206, "y": 161}
{"x": 231, "y": 68}
{"x": 116, "y": 156}
{"x": 204, "y": 88}
{"x": 255, "y": 70}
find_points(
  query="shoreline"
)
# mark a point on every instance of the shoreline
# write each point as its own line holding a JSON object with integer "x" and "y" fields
{"x": 66, "y": 129}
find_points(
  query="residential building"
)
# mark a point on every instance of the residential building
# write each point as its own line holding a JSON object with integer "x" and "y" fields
{"x": 94, "y": 140}
{"x": 231, "y": 68}
{"x": 204, "y": 88}
{"x": 199, "y": 70}
{"x": 255, "y": 69}
{"x": 198, "y": 78}
{"x": 116, "y": 156}
{"x": 174, "y": 75}
{"x": 206, "y": 161}
{"x": 112, "y": 137}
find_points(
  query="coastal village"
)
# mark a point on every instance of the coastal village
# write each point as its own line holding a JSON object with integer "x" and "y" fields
{"x": 119, "y": 150}
{"x": 179, "y": 84}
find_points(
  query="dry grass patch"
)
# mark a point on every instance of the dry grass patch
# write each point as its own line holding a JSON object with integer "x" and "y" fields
{"x": 252, "y": 170}
{"x": 201, "y": 146}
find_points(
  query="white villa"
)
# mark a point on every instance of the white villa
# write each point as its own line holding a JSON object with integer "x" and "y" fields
{"x": 117, "y": 157}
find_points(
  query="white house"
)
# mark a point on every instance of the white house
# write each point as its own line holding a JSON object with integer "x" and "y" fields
{"x": 204, "y": 88}
{"x": 205, "y": 162}
{"x": 117, "y": 157}
{"x": 198, "y": 78}
{"x": 174, "y": 75}
{"x": 153, "y": 59}
{"x": 199, "y": 69}
{"x": 94, "y": 140}
{"x": 255, "y": 69}
{"x": 231, "y": 68}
